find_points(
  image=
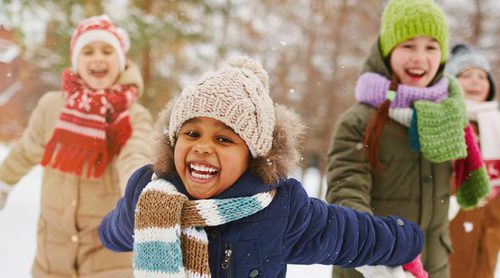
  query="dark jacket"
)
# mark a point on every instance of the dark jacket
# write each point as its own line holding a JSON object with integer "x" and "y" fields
{"x": 410, "y": 186}
{"x": 293, "y": 229}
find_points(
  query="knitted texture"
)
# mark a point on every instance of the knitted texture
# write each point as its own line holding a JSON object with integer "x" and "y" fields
{"x": 441, "y": 126}
{"x": 487, "y": 117}
{"x": 471, "y": 178}
{"x": 99, "y": 28}
{"x": 440, "y": 111}
{"x": 437, "y": 128}
{"x": 406, "y": 19}
{"x": 462, "y": 58}
{"x": 413, "y": 133}
{"x": 169, "y": 239}
{"x": 92, "y": 127}
{"x": 237, "y": 95}
{"x": 465, "y": 57}
{"x": 416, "y": 268}
{"x": 370, "y": 85}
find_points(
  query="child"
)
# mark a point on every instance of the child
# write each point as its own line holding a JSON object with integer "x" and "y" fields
{"x": 392, "y": 151}
{"x": 217, "y": 201}
{"x": 476, "y": 233}
{"x": 90, "y": 137}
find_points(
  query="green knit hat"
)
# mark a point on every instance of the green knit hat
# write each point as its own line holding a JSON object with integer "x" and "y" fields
{"x": 405, "y": 19}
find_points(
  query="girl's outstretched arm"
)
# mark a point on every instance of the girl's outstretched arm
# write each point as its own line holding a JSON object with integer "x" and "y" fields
{"x": 117, "y": 228}
{"x": 332, "y": 234}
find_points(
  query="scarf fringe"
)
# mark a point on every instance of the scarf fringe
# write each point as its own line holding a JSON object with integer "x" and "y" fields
{"x": 63, "y": 153}
{"x": 91, "y": 129}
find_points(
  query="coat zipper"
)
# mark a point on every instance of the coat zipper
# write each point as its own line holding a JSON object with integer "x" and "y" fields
{"x": 227, "y": 262}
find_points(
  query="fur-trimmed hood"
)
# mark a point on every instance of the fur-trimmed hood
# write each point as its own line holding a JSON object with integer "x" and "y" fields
{"x": 284, "y": 156}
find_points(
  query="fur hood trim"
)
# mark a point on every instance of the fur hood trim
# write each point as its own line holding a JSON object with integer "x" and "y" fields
{"x": 284, "y": 156}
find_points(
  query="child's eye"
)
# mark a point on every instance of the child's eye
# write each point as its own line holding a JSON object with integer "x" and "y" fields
{"x": 432, "y": 47}
{"x": 108, "y": 51}
{"x": 87, "y": 52}
{"x": 223, "y": 139}
{"x": 192, "y": 134}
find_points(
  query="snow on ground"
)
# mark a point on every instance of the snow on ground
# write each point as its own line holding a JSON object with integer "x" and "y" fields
{"x": 18, "y": 226}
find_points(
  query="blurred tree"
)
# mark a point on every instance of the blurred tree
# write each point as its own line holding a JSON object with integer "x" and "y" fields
{"x": 313, "y": 50}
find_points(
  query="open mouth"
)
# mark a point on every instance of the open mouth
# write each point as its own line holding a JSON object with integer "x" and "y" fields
{"x": 473, "y": 92}
{"x": 415, "y": 73}
{"x": 202, "y": 171}
{"x": 98, "y": 73}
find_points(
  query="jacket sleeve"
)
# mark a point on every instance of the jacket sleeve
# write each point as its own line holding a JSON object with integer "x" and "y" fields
{"x": 348, "y": 175}
{"x": 28, "y": 150}
{"x": 137, "y": 150}
{"x": 116, "y": 230}
{"x": 331, "y": 234}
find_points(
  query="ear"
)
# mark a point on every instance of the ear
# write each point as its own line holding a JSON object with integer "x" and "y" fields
{"x": 285, "y": 153}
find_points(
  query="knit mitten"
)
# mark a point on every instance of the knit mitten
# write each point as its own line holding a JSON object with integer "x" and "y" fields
{"x": 441, "y": 126}
{"x": 471, "y": 179}
{"x": 416, "y": 268}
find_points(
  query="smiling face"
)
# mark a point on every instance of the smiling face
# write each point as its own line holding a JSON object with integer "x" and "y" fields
{"x": 416, "y": 61}
{"x": 209, "y": 157}
{"x": 475, "y": 84}
{"x": 98, "y": 65}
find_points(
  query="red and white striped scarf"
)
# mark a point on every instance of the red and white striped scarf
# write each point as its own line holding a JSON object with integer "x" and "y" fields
{"x": 92, "y": 128}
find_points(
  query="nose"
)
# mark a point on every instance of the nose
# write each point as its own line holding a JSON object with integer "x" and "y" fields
{"x": 203, "y": 147}
{"x": 419, "y": 55}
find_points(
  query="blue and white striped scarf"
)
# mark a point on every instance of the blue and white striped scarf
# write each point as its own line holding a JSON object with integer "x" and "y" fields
{"x": 169, "y": 237}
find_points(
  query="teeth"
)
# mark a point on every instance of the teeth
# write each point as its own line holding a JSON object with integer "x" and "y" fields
{"x": 416, "y": 71}
{"x": 203, "y": 168}
{"x": 200, "y": 176}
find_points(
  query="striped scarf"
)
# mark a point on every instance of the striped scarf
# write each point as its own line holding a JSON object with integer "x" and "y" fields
{"x": 92, "y": 127}
{"x": 438, "y": 128}
{"x": 169, "y": 239}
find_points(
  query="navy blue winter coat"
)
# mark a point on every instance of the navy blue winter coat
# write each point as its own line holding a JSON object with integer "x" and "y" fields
{"x": 293, "y": 229}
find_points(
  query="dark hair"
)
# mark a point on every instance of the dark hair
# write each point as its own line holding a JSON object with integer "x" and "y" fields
{"x": 375, "y": 127}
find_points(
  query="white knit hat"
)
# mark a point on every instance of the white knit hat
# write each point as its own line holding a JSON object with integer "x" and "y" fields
{"x": 99, "y": 28}
{"x": 238, "y": 95}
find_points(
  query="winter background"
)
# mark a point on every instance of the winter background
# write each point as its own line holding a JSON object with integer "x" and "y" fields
{"x": 313, "y": 50}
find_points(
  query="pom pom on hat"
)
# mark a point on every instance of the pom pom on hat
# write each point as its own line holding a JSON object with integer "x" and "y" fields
{"x": 238, "y": 95}
{"x": 406, "y": 19}
{"x": 464, "y": 57}
{"x": 99, "y": 28}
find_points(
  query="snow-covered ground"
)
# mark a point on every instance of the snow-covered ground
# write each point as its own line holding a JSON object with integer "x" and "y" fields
{"x": 18, "y": 227}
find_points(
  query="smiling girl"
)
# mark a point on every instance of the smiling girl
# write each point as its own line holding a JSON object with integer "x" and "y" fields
{"x": 90, "y": 137}
{"x": 476, "y": 233}
{"x": 392, "y": 151}
{"x": 218, "y": 203}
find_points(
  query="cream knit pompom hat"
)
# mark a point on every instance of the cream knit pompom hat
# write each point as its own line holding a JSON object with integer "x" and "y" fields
{"x": 238, "y": 95}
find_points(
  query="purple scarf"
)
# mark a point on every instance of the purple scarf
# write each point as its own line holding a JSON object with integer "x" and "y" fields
{"x": 371, "y": 88}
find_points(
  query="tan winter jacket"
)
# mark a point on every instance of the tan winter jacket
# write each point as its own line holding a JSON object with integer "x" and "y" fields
{"x": 72, "y": 207}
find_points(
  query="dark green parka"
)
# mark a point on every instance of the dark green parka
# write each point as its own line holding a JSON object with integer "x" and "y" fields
{"x": 409, "y": 186}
